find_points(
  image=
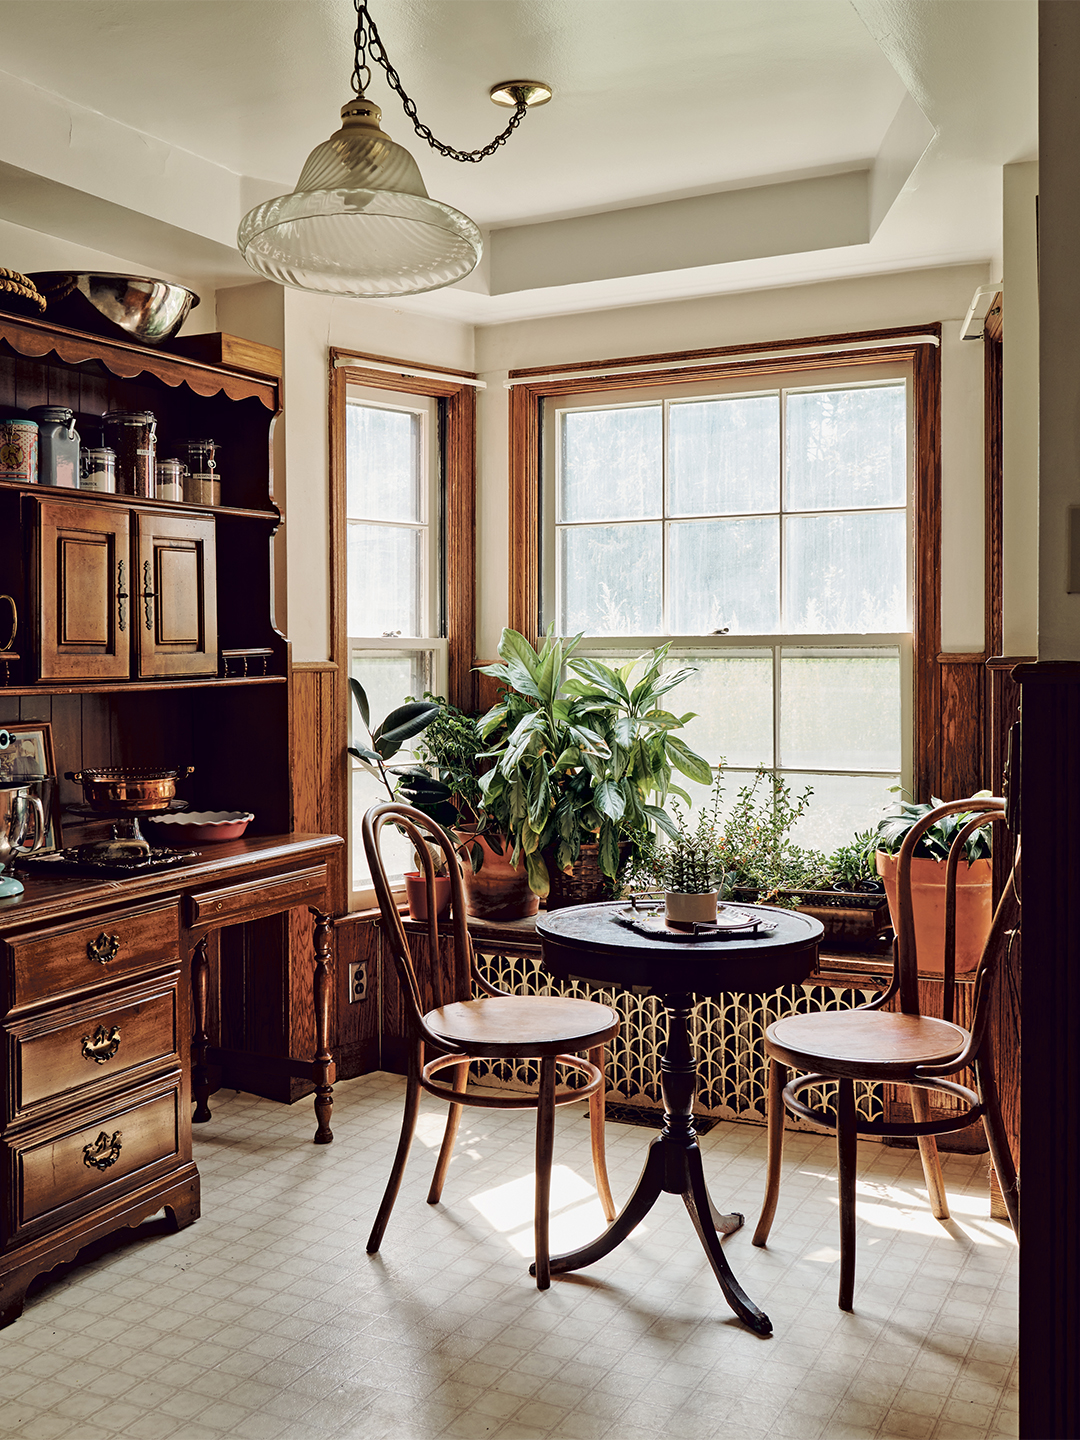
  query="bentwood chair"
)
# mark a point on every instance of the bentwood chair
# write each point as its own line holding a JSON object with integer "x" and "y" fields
{"x": 459, "y": 1029}
{"x": 900, "y": 1047}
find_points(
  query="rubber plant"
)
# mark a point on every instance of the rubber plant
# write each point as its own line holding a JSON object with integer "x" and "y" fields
{"x": 583, "y": 753}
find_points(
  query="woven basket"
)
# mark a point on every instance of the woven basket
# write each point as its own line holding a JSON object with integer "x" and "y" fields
{"x": 586, "y": 884}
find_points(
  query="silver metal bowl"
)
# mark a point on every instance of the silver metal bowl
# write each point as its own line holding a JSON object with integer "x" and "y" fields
{"x": 124, "y": 307}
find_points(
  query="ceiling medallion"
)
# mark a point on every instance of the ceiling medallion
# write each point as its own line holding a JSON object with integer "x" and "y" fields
{"x": 360, "y": 221}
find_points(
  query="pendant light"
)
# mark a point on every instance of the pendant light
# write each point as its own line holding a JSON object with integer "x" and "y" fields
{"x": 360, "y": 221}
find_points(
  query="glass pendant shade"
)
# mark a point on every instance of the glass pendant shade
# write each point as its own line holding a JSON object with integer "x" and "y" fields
{"x": 360, "y": 221}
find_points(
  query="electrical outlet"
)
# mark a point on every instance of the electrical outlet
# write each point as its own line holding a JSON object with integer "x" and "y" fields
{"x": 357, "y": 981}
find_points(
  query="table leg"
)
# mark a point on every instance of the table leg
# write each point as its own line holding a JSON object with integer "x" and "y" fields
{"x": 322, "y": 1067}
{"x": 200, "y": 1074}
{"x": 674, "y": 1166}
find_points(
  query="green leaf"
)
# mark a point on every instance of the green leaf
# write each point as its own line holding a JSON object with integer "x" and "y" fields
{"x": 537, "y": 871}
{"x": 662, "y": 820}
{"x": 361, "y": 752}
{"x": 360, "y": 696}
{"x": 514, "y": 648}
{"x": 602, "y": 678}
{"x": 402, "y": 724}
{"x": 609, "y": 851}
{"x": 522, "y": 680}
{"x": 609, "y": 800}
{"x": 691, "y": 764}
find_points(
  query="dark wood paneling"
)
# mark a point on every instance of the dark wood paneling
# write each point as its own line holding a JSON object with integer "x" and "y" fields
{"x": 1050, "y": 1055}
{"x": 962, "y": 766}
{"x": 357, "y": 941}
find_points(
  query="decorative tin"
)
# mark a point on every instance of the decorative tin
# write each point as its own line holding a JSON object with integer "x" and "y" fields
{"x": 19, "y": 451}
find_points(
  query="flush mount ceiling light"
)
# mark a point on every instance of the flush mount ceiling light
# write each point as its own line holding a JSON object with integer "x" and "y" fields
{"x": 360, "y": 221}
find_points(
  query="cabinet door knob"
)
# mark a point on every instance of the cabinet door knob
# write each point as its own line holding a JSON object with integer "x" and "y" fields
{"x": 102, "y": 1045}
{"x": 104, "y": 948}
{"x": 121, "y": 597}
{"x": 148, "y": 594}
{"x": 14, "y": 622}
{"x": 104, "y": 1151}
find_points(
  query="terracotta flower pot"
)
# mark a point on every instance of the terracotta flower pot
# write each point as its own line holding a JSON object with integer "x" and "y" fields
{"x": 498, "y": 890}
{"x": 974, "y": 909}
{"x": 416, "y": 895}
{"x": 683, "y": 911}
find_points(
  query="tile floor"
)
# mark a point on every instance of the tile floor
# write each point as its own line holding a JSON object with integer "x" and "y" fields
{"x": 267, "y": 1320}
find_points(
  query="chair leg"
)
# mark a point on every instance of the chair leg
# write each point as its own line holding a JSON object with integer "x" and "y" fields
{"x": 596, "y": 1134}
{"x": 453, "y": 1119}
{"x": 397, "y": 1170}
{"x": 998, "y": 1140}
{"x": 777, "y": 1080}
{"x": 846, "y": 1149}
{"x": 928, "y": 1153}
{"x": 545, "y": 1147}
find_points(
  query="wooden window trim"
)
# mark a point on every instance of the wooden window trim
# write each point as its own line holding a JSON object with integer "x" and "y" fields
{"x": 459, "y": 477}
{"x": 925, "y": 358}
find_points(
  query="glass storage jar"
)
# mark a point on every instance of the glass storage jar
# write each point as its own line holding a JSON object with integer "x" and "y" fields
{"x": 202, "y": 484}
{"x": 58, "y": 446}
{"x": 169, "y": 480}
{"x": 135, "y": 443}
{"x": 98, "y": 469}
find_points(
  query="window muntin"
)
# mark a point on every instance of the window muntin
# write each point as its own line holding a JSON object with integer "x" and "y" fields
{"x": 802, "y": 637}
{"x": 394, "y": 581}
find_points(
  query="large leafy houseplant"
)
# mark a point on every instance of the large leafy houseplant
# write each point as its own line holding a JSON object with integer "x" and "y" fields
{"x": 583, "y": 753}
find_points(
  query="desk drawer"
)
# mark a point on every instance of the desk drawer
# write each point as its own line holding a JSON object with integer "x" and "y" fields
{"x": 235, "y": 904}
{"x": 92, "y": 1044}
{"x": 60, "y": 1170}
{"x": 52, "y": 964}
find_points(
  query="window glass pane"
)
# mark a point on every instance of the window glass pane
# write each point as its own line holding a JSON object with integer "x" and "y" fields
{"x": 388, "y": 679}
{"x": 612, "y": 465}
{"x": 724, "y": 456}
{"x": 724, "y": 574}
{"x": 845, "y": 574}
{"x": 840, "y": 806}
{"x": 609, "y": 580}
{"x": 840, "y": 712}
{"x": 384, "y": 581}
{"x": 732, "y": 697}
{"x": 846, "y": 448}
{"x": 383, "y": 470}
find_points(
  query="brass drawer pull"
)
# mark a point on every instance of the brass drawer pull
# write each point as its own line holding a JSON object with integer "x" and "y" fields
{"x": 105, "y": 1150}
{"x": 104, "y": 948}
{"x": 102, "y": 1045}
{"x": 148, "y": 594}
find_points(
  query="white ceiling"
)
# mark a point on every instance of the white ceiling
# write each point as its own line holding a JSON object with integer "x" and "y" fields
{"x": 166, "y": 119}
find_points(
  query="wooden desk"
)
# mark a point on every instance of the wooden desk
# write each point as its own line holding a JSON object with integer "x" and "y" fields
{"x": 96, "y": 984}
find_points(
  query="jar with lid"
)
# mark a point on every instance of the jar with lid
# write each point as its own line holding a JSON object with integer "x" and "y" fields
{"x": 19, "y": 450}
{"x": 202, "y": 485}
{"x": 135, "y": 442}
{"x": 169, "y": 483}
{"x": 98, "y": 469}
{"x": 58, "y": 446}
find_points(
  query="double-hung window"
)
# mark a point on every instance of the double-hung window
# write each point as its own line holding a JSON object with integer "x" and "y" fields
{"x": 763, "y": 525}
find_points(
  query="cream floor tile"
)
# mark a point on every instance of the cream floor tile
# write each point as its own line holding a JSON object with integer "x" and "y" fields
{"x": 268, "y": 1321}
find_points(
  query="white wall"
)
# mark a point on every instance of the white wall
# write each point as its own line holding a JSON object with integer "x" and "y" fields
{"x": 875, "y": 302}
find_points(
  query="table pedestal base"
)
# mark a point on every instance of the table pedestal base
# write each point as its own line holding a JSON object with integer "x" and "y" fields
{"x": 674, "y": 1168}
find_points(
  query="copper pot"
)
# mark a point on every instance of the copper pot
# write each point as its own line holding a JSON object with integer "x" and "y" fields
{"x": 133, "y": 789}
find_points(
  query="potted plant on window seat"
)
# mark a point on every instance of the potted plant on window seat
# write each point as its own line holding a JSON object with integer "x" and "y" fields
{"x": 583, "y": 758}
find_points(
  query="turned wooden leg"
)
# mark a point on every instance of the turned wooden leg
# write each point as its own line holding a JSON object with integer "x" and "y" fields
{"x": 928, "y": 1153}
{"x": 322, "y": 1067}
{"x": 545, "y": 1148}
{"x": 200, "y": 990}
{"x": 997, "y": 1137}
{"x": 777, "y": 1081}
{"x": 596, "y": 1134}
{"x": 397, "y": 1170}
{"x": 846, "y": 1150}
{"x": 453, "y": 1119}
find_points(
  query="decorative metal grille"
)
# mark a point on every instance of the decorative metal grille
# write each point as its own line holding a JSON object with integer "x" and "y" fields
{"x": 727, "y": 1032}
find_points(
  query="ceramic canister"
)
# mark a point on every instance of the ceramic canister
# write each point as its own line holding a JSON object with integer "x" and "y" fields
{"x": 19, "y": 450}
{"x": 58, "y": 446}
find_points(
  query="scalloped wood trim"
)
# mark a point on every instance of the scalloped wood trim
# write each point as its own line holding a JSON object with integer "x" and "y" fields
{"x": 35, "y": 339}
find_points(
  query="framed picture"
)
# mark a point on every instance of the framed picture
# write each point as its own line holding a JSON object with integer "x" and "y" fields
{"x": 29, "y": 760}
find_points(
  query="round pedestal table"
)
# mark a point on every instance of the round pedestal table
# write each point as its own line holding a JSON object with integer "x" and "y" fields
{"x": 609, "y": 945}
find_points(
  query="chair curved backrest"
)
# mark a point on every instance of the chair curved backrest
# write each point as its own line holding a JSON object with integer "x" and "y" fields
{"x": 983, "y": 811}
{"x": 442, "y": 984}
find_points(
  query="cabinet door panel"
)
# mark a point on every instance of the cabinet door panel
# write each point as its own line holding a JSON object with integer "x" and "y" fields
{"x": 82, "y": 601}
{"x": 176, "y": 626}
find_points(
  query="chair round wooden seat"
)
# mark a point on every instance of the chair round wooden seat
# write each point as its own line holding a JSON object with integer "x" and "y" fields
{"x": 869, "y": 1046}
{"x": 507, "y": 1024}
{"x": 899, "y": 1047}
{"x": 538, "y": 1029}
